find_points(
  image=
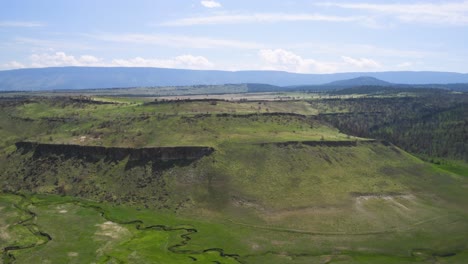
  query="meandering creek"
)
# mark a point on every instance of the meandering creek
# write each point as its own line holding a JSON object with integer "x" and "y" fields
{"x": 43, "y": 237}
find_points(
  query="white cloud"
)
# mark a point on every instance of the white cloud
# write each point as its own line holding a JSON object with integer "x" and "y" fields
{"x": 178, "y": 41}
{"x": 210, "y": 4}
{"x": 271, "y": 59}
{"x": 20, "y": 24}
{"x": 183, "y": 61}
{"x": 260, "y": 18}
{"x": 58, "y": 59}
{"x": 88, "y": 59}
{"x": 361, "y": 62}
{"x": 12, "y": 65}
{"x": 451, "y": 13}
{"x": 194, "y": 61}
{"x": 283, "y": 60}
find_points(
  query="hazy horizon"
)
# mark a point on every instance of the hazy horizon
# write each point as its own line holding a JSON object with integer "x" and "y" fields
{"x": 221, "y": 70}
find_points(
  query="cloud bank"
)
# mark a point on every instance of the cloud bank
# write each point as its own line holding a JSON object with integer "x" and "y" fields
{"x": 210, "y": 4}
{"x": 269, "y": 59}
{"x": 60, "y": 59}
{"x": 284, "y": 60}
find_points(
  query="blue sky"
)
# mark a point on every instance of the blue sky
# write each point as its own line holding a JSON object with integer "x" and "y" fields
{"x": 296, "y": 36}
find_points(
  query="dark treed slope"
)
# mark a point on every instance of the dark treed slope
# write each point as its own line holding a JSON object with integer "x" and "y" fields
{"x": 375, "y": 89}
{"x": 362, "y": 81}
{"x": 365, "y": 84}
{"x": 433, "y": 125}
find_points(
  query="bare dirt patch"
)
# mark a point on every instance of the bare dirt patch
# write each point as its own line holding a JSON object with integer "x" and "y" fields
{"x": 110, "y": 233}
{"x": 62, "y": 209}
{"x": 4, "y": 235}
{"x": 393, "y": 199}
{"x": 111, "y": 230}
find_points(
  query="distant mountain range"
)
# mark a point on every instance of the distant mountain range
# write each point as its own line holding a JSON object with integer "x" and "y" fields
{"x": 115, "y": 77}
{"x": 359, "y": 85}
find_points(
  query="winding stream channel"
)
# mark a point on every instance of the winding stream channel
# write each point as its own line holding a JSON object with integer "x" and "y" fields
{"x": 44, "y": 238}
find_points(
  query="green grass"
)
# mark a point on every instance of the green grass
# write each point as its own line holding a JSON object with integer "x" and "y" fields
{"x": 266, "y": 203}
{"x": 457, "y": 167}
{"x": 153, "y": 125}
{"x": 80, "y": 234}
{"x": 13, "y": 233}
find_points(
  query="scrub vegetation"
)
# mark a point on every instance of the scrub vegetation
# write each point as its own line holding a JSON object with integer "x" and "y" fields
{"x": 123, "y": 180}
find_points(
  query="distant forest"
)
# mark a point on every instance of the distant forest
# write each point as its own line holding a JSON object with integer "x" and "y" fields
{"x": 432, "y": 126}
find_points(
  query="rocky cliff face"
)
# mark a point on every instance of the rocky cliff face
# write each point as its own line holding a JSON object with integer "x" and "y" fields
{"x": 115, "y": 153}
{"x": 325, "y": 143}
{"x": 118, "y": 175}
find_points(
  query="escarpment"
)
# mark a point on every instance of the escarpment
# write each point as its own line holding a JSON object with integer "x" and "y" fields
{"x": 326, "y": 143}
{"x": 113, "y": 174}
{"x": 115, "y": 153}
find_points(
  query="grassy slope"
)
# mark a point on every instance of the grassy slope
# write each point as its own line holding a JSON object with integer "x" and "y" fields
{"x": 153, "y": 125}
{"x": 457, "y": 167}
{"x": 294, "y": 198}
{"x": 283, "y": 204}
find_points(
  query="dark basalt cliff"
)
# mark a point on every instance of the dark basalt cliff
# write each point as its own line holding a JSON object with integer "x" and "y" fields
{"x": 115, "y": 153}
{"x": 325, "y": 143}
{"x": 111, "y": 174}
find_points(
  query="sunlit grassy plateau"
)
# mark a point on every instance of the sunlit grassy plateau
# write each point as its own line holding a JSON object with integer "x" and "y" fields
{"x": 278, "y": 185}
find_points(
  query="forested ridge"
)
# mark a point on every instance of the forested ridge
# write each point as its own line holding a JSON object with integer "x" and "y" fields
{"x": 433, "y": 126}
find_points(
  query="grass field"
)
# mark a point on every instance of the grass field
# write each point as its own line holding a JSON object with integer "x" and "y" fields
{"x": 280, "y": 187}
{"x": 198, "y": 123}
{"x": 85, "y": 232}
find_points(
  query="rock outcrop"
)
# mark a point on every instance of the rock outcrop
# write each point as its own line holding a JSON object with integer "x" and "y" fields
{"x": 116, "y": 153}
